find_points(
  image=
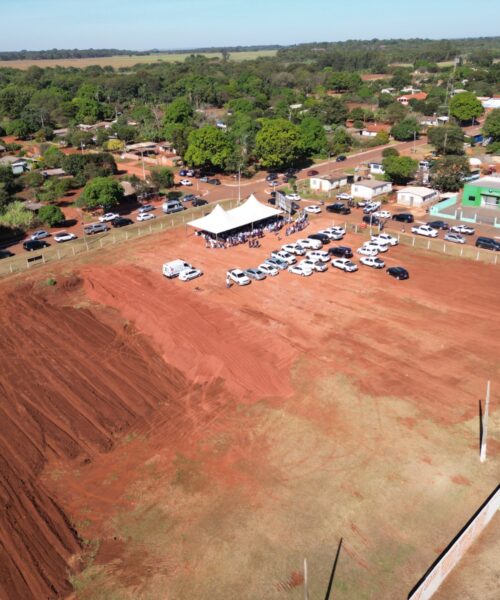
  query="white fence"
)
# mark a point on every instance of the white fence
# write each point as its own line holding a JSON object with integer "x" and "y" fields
{"x": 449, "y": 558}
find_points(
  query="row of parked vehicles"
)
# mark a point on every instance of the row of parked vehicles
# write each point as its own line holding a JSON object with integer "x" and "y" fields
{"x": 306, "y": 256}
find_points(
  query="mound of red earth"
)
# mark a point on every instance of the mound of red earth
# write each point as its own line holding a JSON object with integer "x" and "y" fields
{"x": 70, "y": 382}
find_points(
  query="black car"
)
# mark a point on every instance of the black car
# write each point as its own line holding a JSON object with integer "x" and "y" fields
{"x": 488, "y": 243}
{"x": 31, "y": 245}
{"x": 339, "y": 208}
{"x": 341, "y": 251}
{"x": 371, "y": 220}
{"x": 121, "y": 222}
{"x": 439, "y": 225}
{"x": 322, "y": 237}
{"x": 340, "y": 158}
{"x": 272, "y": 200}
{"x": 403, "y": 217}
{"x": 272, "y": 177}
{"x": 214, "y": 181}
{"x": 398, "y": 272}
{"x": 198, "y": 202}
{"x": 289, "y": 173}
{"x": 6, "y": 254}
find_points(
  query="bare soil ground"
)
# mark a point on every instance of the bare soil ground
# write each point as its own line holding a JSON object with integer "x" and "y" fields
{"x": 231, "y": 433}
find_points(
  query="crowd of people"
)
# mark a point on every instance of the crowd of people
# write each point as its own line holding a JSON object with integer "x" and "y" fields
{"x": 298, "y": 225}
{"x": 248, "y": 235}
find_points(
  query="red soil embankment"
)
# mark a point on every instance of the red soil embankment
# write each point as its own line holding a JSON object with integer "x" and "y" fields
{"x": 69, "y": 382}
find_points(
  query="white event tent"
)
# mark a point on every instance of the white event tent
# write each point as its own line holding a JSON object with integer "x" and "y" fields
{"x": 220, "y": 220}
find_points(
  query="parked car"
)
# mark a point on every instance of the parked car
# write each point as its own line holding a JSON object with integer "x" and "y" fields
{"x": 315, "y": 265}
{"x": 65, "y": 236}
{"x": 365, "y": 251}
{"x": 256, "y": 274}
{"x": 344, "y": 264}
{"x": 464, "y": 229}
{"x": 403, "y": 217}
{"x": 310, "y": 244}
{"x": 322, "y": 237}
{"x": 344, "y": 197}
{"x": 301, "y": 269}
{"x": 272, "y": 177}
{"x": 198, "y": 202}
{"x": 188, "y": 274}
{"x": 439, "y": 225}
{"x": 204, "y": 179}
{"x": 294, "y": 249}
{"x": 175, "y": 267}
{"x": 239, "y": 277}
{"x": 341, "y": 251}
{"x": 293, "y": 197}
{"x": 32, "y": 245}
{"x": 488, "y": 243}
{"x": 372, "y": 261}
{"x": 146, "y": 208}
{"x": 398, "y": 273}
{"x": 318, "y": 255}
{"x": 382, "y": 214}
{"x": 312, "y": 173}
{"x": 40, "y": 234}
{"x": 95, "y": 228}
{"x": 146, "y": 217}
{"x": 340, "y": 158}
{"x": 339, "y": 208}
{"x": 333, "y": 233}
{"x": 454, "y": 237}
{"x": 385, "y": 238}
{"x": 172, "y": 206}
{"x": 277, "y": 263}
{"x": 377, "y": 245}
{"x": 283, "y": 255}
{"x": 186, "y": 182}
{"x": 121, "y": 222}
{"x": 371, "y": 207}
{"x": 371, "y": 220}
{"x": 269, "y": 269}
{"x": 313, "y": 209}
{"x": 183, "y": 173}
{"x": 424, "y": 230}
{"x": 189, "y": 197}
{"x": 214, "y": 181}
{"x": 108, "y": 217}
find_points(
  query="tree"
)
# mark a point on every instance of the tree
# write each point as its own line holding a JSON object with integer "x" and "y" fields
{"x": 209, "y": 146}
{"x": 51, "y": 215}
{"x": 17, "y": 216}
{"x": 341, "y": 141}
{"x": 395, "y": 112}
{"x": 401, "y": 78}
{"x": 313, "y": 136}
{"x": 53, "y": 157}
{"x": 466, "y": 107}
{"x": 330, "y": 111}
{"x": 114, "y": 145}
{"x": 400, "y": 169}
{"x": 179, "y": 111}
{"x": 405, "y": 130}
{"x": 390, "y": 152}
{"x": 53, "y": 189}
{"x": 448, "y": 139}
{"x": 33, "y": 179}
{"x": 162, "y": 177}
{"x": 448, "y": 173}
{"x": 491, "y": 125}
{"x": 278, "y": 143}
{"x": 104, "y": 192}
{"x": 7, "y": 180}
{"x": 381, "y": 139}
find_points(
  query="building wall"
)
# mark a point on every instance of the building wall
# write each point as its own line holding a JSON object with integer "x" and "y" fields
{"x": 323, "y": 185}
{"x": 409, "y": 199}
{"x": 360, "y": 191}
{"x": 472, "y": 194}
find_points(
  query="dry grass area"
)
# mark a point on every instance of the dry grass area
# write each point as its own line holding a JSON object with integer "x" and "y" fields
{"x": 118, "y": 62}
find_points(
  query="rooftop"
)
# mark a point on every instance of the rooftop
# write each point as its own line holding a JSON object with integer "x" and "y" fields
{"x": 492, "y": 183}
{"x": 372, "y": 183}
{"x": 417, "y": 191}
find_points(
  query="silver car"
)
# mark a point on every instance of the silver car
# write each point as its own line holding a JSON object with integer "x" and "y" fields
{"x": 454, "y": 237}
{"x": 256, "y": 274}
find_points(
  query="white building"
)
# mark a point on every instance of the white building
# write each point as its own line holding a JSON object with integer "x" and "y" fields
{"x": 376, "y": 168}
{"x": 326, "y": 184}
{"x": 416, "y": 196}
{"x": 369, "y": 189}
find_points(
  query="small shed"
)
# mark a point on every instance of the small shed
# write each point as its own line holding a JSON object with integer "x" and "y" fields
{"x": 369, "y": 189}
{"x": 416, "y": 196}
{"x": 328, "y": 183}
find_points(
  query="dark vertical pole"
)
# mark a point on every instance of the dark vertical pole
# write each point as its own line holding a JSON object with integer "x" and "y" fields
{"x": 332, "y": 575}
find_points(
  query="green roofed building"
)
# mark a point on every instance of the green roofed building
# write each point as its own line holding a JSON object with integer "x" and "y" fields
{"x": 483, "y": 192}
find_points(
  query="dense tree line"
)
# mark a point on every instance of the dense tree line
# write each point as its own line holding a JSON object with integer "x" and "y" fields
{"x": 75, "y": 53}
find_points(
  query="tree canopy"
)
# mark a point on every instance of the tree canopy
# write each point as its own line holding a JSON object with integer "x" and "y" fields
{"x": 466, "y": 107}
{"x": 447, "y": 139}
{"x": 447, "y": 174}
{"x": 104, "y": 192}
{"x": 400, "y": 169}
{"x": 278, "y": 143}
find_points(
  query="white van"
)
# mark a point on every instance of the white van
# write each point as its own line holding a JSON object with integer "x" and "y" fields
{"x": 172, "y": 206}
{"x": 174, "y": 267}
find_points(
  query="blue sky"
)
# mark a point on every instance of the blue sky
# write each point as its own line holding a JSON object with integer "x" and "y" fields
{"x": 169, "y": 24}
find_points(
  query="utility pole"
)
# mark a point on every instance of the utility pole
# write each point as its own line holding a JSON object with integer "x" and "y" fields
{"x": 482, "y": 456}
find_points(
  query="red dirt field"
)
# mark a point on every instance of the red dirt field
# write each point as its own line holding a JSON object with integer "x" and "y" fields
{"x": 183, "y": 440}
